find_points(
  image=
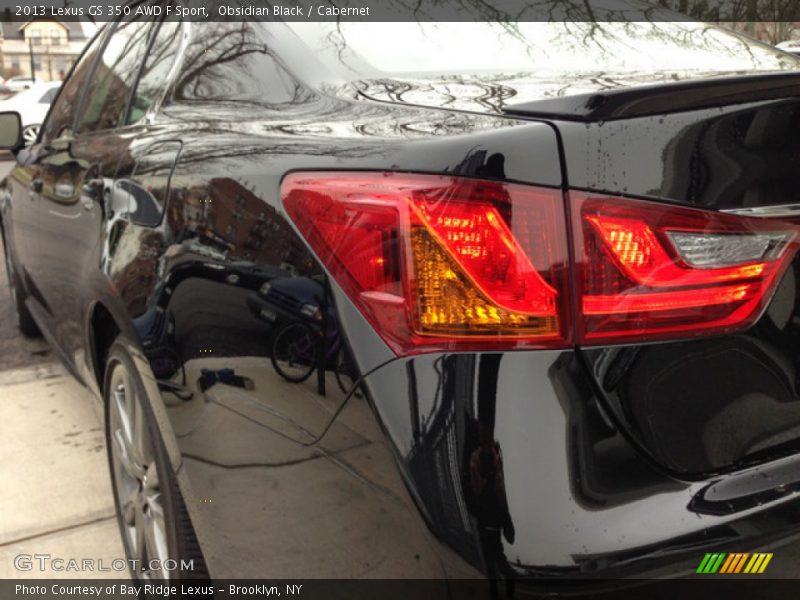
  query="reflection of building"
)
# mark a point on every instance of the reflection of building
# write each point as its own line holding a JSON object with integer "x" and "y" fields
{"x": 139, "y": 276}
{"x": 55, "y": 46}
{"x": 228, "y": 215}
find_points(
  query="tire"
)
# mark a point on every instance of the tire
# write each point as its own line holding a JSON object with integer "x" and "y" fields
{"x": 25, "y": 321}
{"x": 294, "y": 353}
{"x": 152, "y": 517}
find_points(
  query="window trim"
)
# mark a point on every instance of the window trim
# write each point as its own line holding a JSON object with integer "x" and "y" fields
{"x": 84, "y": 95}
{"x": 170, "y": 73}
{"x": 148, "y": 118}
{"x": 100, "y": 33}
{"x": 186, "y": 36}
{"x": 108, "y": 31}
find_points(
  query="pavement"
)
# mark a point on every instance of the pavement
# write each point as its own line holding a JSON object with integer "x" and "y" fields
{"x": 57, "y": 493}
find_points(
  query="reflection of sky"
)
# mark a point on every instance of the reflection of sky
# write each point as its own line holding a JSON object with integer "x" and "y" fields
{"x": 491, "y": 47}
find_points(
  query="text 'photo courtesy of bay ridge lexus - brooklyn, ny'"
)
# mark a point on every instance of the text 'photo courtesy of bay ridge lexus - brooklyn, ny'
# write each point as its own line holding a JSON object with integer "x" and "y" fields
{"x": 505, "y": 302}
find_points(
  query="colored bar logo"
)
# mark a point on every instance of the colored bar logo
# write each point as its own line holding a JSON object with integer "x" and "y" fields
{"x": 734, "y": 563}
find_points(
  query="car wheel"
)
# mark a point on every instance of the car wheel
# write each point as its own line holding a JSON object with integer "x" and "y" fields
{"x": 25, "y": 320}
{"x": 29, "y": 134}
{"x": 152, "y": 516}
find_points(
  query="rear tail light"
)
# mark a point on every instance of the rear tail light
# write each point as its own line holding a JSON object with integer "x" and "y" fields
{"x": 648, "y": 271}
{"x": 442, "y": 262}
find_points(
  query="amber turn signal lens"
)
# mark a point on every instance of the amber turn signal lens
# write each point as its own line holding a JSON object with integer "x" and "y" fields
{"x": 450, "y": 304}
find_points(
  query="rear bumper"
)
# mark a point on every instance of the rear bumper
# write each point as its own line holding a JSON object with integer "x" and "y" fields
{"x": 582, "y": 501}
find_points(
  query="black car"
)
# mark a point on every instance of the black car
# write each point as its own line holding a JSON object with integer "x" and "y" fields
{"x": 563, "y": 258}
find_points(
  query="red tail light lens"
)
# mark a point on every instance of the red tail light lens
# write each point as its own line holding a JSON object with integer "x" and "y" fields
{"x": 438, "y": 261}
{"x": 649, "y": 270}
{"x": 442, "y": 262}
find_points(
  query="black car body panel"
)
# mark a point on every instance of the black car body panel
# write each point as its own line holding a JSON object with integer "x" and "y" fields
{"x": 642, "y": 101}
{"x": 706, "y": 405}
{"x": 736, "y": 157}
{"x": 618, "y": 461}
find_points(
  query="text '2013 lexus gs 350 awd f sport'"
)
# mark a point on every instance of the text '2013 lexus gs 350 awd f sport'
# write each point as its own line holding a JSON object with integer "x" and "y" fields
{"x": 425, "y": 300}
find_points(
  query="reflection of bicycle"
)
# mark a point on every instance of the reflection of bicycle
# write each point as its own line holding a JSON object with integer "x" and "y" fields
{"x": 294, "y": 355}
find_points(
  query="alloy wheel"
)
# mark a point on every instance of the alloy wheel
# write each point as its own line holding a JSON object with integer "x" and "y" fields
{"x": 29, "y": 134}
{"x": 140, "y": 500}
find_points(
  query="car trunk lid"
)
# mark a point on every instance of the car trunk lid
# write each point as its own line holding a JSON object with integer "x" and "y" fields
{"x": 724, "y": 400}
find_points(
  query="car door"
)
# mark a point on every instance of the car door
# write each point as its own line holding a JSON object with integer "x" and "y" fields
{"x": 19, "y": 216}
{"x": 138, "y": 194}
{"x": 77, "y": 178}
{"x": 27, "y": 182}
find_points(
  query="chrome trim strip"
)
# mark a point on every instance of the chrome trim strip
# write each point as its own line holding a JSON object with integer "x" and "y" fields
{"x": 781, "y": 210}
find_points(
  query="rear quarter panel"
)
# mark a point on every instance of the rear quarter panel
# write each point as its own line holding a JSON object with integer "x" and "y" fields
{"x": 268, "y": 494}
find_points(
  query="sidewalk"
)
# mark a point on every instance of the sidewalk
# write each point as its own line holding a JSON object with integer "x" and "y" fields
{"x": 57, "y": 498}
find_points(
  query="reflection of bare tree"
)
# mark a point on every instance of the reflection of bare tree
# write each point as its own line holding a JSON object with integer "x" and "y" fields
{"x": 217, "y": 43}
{"x": 586, "y": 18}
{"x": 231, "y": 65}
{"x": 160, "y": 59}
{"x": 511, "y": 11}
{"x": 231, "y": 62}
{"x": 779, "y": 17}
{"x": 593, "y": 47}
{"x": 115, "y": 76}
{"x": 321, "y": 125}
{"x": 450, "y": 91}
{"x": 62, "y": 114}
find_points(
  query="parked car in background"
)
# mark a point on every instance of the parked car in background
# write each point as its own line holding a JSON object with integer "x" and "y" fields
{"x": 32, "y": 104}
{"x": 18, "y": 83}
{"x": 565, "y": 266}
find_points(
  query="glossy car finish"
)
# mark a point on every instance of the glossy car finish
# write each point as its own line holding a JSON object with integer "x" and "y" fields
{"x": 165, "y": 228}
